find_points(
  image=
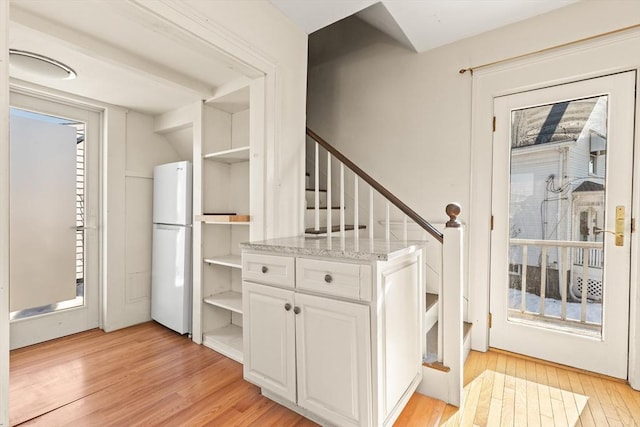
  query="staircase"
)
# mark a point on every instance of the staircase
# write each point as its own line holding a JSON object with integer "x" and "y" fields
{"x": 343, "y": 201}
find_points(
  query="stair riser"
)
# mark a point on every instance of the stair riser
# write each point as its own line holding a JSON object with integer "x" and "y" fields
{"x": 309, "y": 217}
{"x": 310, "y": 196}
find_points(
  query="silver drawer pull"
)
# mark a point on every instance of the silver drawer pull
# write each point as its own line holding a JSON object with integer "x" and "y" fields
{"x": 287, "y": 306}
{"x": 264, "y": 269}
{"x": 328, "y": 278}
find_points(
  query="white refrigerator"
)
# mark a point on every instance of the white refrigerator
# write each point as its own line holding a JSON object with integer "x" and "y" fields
{"x": 171, "y": 250}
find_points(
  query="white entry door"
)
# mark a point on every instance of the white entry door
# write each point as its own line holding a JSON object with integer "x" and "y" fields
{"x": 54, "y": 241}
{"x": 560, "y": 248}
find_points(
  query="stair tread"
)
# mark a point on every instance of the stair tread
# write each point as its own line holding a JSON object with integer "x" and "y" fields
{"x": 334, "y": 228}
{"x": 323, "y": 208}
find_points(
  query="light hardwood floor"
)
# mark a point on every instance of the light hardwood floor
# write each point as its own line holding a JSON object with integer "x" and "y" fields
{"x": 148, "y": 375}
{"x": 502, "y": 389}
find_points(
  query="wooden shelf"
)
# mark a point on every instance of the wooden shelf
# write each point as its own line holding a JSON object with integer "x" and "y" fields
{"x": 224, "y": 219}
{"x": 233, "y": 261}
{"x": 226, "y": 341}
{"x": 228, "y": 300}
{"x": 235, "y": 155}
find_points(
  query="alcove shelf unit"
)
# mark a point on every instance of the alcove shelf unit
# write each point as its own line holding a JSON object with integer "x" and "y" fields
{"x": 226, "y": 164}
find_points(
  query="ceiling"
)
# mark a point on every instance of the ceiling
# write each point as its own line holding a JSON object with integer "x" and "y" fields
{"x": 122, "y": 54}
{"x": 126, "y": 56}
{"x": 419, "y": 24}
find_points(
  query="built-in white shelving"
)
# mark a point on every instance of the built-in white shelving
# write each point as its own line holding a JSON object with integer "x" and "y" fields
{"x": 231, "y": 301}
{"x": 222, "y": 203}
{"x": 226, "y": 340}
{"x": 234, "y": 155}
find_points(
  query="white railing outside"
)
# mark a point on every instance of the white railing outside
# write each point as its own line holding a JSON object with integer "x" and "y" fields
{"x": 585, "y": 249}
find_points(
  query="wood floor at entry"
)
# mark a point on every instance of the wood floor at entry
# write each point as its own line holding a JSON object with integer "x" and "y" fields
{"x": 148, "y": 375}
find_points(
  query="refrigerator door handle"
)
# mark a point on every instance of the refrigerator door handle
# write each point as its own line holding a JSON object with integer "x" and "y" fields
{"x": 168, "y": 227}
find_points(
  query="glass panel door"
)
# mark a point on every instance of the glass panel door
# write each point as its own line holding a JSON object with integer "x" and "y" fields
{"x": 562, "y": 174}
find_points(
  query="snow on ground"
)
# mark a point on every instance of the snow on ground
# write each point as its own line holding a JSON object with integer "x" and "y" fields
{"x": 553, "y": 307}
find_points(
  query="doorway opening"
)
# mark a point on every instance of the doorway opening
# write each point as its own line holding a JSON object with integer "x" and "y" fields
{"x": 78, "y": 300}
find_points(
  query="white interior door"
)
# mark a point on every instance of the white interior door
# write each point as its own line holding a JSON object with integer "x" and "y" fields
{"x": 54, "y": 192}
{"x": 560, "y": 250}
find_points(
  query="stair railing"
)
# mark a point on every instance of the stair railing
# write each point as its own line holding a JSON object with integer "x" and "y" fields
{"x": 373, "y": 184}
{"x": 450, "y": 324}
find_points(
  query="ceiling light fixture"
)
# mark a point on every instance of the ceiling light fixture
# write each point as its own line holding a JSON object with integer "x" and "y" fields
{"x": 40, "y": 65}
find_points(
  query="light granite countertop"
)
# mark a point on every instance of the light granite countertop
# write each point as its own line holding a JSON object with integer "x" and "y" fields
{"x": 360, "y": 249}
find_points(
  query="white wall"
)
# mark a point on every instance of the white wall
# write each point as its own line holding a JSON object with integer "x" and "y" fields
{"x": 144, "y": 149}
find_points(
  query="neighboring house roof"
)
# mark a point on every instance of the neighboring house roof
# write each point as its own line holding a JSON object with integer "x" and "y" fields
{"x": 552, "y": 123}
{"x": 589, "y": 186}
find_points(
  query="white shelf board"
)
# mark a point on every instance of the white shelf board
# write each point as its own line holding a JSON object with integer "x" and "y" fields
{"x": 234, "y": 155}
{"x": 228, "y": 300}
{"x": 233, "y": 261}
{"x": 226, "y": 341}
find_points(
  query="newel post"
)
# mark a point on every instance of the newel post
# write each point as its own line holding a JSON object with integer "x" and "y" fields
{"x": 452, "y": 284}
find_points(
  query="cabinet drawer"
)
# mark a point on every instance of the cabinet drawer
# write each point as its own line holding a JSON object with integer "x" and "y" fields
{"x": 276, "y": 270}
{"x": 334, "y": 278}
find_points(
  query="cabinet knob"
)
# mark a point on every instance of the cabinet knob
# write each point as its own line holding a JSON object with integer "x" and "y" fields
{"x": 287, "y": 306}
{"x": 328, "y": 278}
{"x": 264, "y": 269}
{"x": 296, "y": 310}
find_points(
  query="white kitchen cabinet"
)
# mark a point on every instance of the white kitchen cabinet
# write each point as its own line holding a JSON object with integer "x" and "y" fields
{"x": 321, "y": 343}
{"x": 340, "y": 340}
{"x": 270, "y": 352}
{"x": 333, "y": 359}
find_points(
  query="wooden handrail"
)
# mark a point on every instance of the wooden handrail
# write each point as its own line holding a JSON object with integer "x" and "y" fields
{"x": 378, "y": 187}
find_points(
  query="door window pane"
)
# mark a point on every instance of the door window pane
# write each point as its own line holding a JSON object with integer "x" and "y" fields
{"x": 556, "y": 214}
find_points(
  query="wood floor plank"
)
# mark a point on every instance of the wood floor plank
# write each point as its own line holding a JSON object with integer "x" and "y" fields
{"x": 520, "y": 405}
{"x": 533, "y": 406}
{"x": 568, "y": 398}
{"x": 484, "y": 403}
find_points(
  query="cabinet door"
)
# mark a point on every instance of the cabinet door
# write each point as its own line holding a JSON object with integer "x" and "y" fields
{"x": 269, "y": 339}
{"x": 334, "y": 359}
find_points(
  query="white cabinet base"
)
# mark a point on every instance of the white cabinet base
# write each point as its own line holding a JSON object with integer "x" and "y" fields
{"x": 341, "y": 344}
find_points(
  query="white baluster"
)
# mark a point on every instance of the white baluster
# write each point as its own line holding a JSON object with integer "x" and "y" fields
{"x": 405, "y": 227}
{"x": 329, "y": 205}
{"x": 543, "y": 279}
{"x": 316, "y": 192}
{"x": 371, "y": 215}
{"x": 387, "y": 232}
{"x": 563, "y": 281}
{"x": 523, "y": 280}
{"x": 341, "y": 200}
{"x": 585, "y": 286}
{"x": 356, "y": 212}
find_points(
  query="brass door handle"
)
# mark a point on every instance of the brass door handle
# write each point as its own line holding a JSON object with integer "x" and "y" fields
{"x": 619, "y": 231}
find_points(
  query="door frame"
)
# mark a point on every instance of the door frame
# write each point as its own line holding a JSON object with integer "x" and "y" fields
{"x": 517, "y": 336}
{"x": 558, "y": 66}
